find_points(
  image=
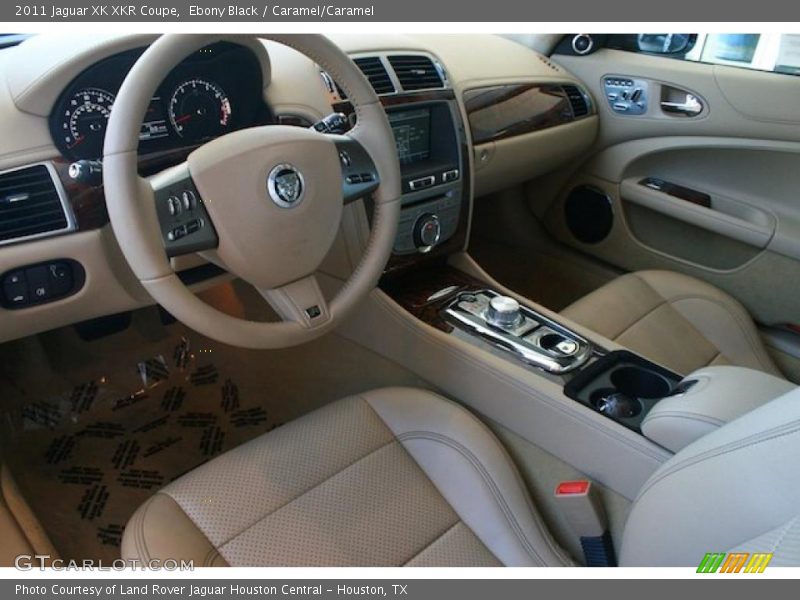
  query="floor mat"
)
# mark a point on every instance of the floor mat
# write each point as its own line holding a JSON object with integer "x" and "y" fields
{"x": 118, "y": 418}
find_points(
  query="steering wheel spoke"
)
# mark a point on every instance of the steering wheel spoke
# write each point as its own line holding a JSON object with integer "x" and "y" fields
{"x": 301, "y": 302}
{"x": 185, "y": 224}
{"x": 359, "y": 173}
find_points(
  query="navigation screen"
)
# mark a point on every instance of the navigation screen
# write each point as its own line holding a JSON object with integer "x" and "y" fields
{"x": 412, "y": 133}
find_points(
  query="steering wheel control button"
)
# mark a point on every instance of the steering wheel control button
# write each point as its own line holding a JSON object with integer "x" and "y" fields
{"x": 189, "y": 200}
{"x": 182, "y": 216}
{"x": 345, "y": 158}
{"x": 285, "y": 186}
{"x": 177, "y": 233}
{"x": 313, "y": 312}
{"x": 193, "y": 226}
{"x": 504, "y": 312}
{"x": 174, "y": 206}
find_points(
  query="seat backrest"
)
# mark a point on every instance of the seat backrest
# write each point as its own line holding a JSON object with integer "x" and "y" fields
{"x": 735, "y": 489}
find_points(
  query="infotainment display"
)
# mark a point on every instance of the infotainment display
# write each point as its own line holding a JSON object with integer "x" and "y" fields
{"x": 412, "y": 133}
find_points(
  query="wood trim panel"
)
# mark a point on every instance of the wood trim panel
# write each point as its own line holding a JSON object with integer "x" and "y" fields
{"x": 413, "y": 290}
{"x": 88, "y": 202}
{"x": 503, "y": 111}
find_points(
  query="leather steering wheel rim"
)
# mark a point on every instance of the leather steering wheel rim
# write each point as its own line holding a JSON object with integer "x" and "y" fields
{"x": 131, "y": 199}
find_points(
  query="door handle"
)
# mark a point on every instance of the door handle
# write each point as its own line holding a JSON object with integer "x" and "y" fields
{"x": 691, "y": 107}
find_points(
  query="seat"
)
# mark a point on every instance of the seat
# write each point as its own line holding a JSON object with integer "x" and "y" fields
{"x": 388, "y": 478}
{"x": 676, "y": 320}
{"x": 404, "y": 477}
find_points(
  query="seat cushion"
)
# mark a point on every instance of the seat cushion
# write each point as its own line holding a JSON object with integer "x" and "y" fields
{"x": 678, "y": 321}
{"x": 388, "y": 478}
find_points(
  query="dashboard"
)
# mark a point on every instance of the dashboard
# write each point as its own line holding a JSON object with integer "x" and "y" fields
{"x": 213, "y": 92}
{"x": 58, "y": 92}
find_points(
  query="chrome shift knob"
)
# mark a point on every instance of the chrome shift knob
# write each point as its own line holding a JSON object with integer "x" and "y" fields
{"x": 503, "y": 312}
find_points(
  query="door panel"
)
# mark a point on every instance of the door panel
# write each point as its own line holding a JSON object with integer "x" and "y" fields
{"x": 735, "y": 217}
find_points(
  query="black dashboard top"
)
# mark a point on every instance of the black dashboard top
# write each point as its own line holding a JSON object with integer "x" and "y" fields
{"x": 216, "y": 90}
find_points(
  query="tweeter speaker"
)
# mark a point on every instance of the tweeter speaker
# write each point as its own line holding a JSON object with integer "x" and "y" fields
{"x": 588, "y": 214}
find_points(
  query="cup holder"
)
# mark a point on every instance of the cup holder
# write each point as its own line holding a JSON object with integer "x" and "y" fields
{"x": 640, "y": 383}
{"x": 615, "y": 404}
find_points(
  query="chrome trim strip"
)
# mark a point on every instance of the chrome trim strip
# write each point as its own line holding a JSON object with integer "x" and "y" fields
{"x": 519, "y": 345}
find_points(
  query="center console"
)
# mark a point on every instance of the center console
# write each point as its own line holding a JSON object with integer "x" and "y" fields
{"x": 432, "y": 147}
{"x": 433, "y": 187}
{"x": 626, "y": 388}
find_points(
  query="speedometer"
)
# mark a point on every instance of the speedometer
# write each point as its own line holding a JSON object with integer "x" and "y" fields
{"x": 84, "y": 121}
{"x": 199, "y": 109}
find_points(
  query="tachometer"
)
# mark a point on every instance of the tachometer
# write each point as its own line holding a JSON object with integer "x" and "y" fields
{"x": 84, "y": 121}
{"x": 199, "y": 109}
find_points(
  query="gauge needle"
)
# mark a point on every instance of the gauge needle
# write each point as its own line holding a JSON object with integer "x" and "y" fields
{"x": 76, "y": 142}
{"x": 183, "y": 118}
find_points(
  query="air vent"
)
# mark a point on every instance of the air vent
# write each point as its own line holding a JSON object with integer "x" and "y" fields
{"x": 373, "y": 68}
{"x": 579, "y": 103}
{"x": 30, "y": 204}
{"x": 415, "y": 72}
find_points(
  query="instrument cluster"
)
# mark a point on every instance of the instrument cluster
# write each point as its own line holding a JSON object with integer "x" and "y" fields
{"x": 215, "y": 91}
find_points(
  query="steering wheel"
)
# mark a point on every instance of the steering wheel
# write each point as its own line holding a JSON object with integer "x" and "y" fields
{"x": 264, "y": 203}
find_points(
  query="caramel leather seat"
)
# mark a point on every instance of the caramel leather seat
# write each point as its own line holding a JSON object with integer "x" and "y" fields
{"x": 678, "y": 321}
{"x": 391, "y": 477}
{"x": 404, "y": 477}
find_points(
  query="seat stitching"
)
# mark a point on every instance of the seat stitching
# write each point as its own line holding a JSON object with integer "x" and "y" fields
{"x": 306, "y": 491}
{"x": 743, "y": 325}
{"x": 302, "y": 493}
{"x": 734, "y": 314}
{"x": 784, "y": 533}
{"x": 790, "y": 428}
{"x": 715, "y": 357}
{"x": 140, "y": 538}
{"x": 639, "y": 320}
{"x": 490, "y": 483}
{"x": 685, "y": 414}
{"x": 433, "y": 541}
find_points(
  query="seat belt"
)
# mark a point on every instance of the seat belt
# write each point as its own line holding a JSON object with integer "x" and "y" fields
{"x": 586, "y": 517}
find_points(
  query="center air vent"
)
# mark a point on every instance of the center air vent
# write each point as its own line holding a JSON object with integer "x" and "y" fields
{"x": 416, "y": 72}
{"x": 375, "y": 71}
{"x": 579, "y": 103}
{"x": 30, "y": 204}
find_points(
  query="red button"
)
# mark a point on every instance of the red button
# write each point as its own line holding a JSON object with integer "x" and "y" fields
{"x": 572, "y": 487}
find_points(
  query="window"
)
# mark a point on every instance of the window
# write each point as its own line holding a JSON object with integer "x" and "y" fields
{"x": 779, "y": 53}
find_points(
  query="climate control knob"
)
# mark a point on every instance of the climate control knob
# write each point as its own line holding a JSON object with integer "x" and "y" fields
{"x": 503, "y": 311}
{"x": 427, "y": 231}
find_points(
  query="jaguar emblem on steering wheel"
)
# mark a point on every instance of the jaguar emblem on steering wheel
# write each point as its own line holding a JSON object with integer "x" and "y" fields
{"x": 285, "y": 186}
